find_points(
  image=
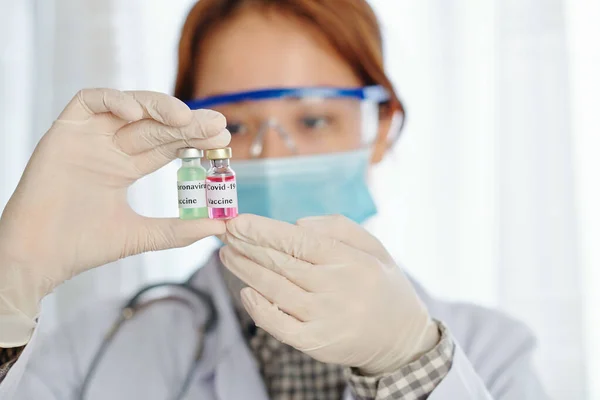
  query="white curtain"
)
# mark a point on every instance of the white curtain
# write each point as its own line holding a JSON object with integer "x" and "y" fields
{"x": 490, "y": 196}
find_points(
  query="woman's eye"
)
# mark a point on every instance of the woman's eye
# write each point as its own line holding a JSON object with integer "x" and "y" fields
{"x": 236, "y": 128}
{"x": 312, "y": 122}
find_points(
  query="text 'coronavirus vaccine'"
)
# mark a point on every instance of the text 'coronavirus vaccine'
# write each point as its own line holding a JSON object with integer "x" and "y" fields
{"x": 221, "y": 191}
{"x": 191, "y": 184}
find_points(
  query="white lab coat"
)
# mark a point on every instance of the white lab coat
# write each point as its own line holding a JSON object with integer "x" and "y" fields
{"x": 151, "y": 354}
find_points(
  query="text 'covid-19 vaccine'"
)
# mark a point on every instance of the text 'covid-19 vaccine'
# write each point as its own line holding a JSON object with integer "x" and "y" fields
{"x": 191, "y": 184}
{"x": 221, "y": 191}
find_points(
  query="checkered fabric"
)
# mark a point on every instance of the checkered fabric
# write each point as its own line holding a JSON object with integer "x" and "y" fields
{"x": 7, "y": 358}
{"x": 414, "y": 381}
{"x": 292, "y": 375}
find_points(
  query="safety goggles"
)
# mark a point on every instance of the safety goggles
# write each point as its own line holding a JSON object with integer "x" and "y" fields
{"x": 306, "y": 120}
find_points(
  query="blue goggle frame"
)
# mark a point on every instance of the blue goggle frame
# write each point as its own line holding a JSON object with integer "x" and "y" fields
{"x": 376, "y": 93}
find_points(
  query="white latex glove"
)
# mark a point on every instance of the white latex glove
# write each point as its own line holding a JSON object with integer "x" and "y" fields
{"x": 328, "y": 288}
{"x": 69, "y": 212}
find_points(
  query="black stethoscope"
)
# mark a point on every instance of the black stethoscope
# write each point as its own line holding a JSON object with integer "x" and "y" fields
{"x": 136, "y": 304}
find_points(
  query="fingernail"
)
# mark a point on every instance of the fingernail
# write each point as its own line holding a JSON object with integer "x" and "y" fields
{"x": 209, "y": 115}
{"x": 212, "y": 123}
{"x": 248, "y": 297}
{"x": 223, "y": 237}
{"x": 319, "y": 218}
{"x": 222, "y": 251}
{"x": 225, "y": 135}
{"x": 237, "y": 226}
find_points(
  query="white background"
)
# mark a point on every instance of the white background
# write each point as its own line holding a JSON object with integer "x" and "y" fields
{"x": 491, "y": 195}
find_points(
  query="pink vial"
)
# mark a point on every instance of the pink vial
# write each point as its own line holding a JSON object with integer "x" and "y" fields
{"x": 221, "y": 191}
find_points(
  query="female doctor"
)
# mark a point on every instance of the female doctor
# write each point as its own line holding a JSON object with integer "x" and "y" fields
{"x": 308, "y": 108}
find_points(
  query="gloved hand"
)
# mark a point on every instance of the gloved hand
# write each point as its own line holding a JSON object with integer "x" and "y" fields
{"x": 328, "y": 288}
{"x": 69, "y": 212}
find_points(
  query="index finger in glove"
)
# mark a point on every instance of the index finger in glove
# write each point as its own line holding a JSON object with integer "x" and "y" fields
{"x": 297, "y": 241}
{"x": 145, "y": 135}
{"x": 268, "y": 316}
{"x": 310, "y": 277}
{"x": 159, "y": 156}
{"x": 347, "y": 231}
{"x": 129, "y": 106}
{"x": 277, "y": 289}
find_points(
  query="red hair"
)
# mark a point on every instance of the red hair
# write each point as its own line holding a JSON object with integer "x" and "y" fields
{"x": 349, "y": 25}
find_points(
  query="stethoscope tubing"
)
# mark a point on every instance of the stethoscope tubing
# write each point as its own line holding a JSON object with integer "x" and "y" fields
{"x": 132, "y": 307}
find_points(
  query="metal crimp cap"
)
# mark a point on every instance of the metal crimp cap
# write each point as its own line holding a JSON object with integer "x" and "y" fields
{"x": 219, "y": 154}
{"x": 189, "y": 152}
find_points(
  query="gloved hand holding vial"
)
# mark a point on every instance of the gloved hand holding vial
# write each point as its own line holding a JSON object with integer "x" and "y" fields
{"x": 101, "y": 143}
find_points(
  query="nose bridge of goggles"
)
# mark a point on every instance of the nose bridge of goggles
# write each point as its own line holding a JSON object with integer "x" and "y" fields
{"x": 256, "y": 148}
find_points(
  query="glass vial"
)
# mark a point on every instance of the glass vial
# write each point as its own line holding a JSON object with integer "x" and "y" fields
{"x": 191, "y": 184}
{"x": 221, "y": 191}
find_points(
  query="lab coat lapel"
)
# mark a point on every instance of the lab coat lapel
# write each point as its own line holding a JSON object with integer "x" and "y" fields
{"x": 236, "y": 373}
{"x": 237, "y": 376}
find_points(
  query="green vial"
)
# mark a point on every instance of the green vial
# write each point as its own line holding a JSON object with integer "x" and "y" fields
{"x": 191, "y": 184}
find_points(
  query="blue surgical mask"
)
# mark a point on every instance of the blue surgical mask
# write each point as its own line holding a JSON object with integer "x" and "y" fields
{"x": 291, "y": 188}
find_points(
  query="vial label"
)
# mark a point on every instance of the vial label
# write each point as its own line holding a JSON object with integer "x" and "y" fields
{"x": 221, "y": 194}
{"x": 192, "y": 194}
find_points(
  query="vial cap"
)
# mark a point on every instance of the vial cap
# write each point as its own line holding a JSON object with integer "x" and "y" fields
{"x": 219, "y": 154}
{"x": 189, "y": 152}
